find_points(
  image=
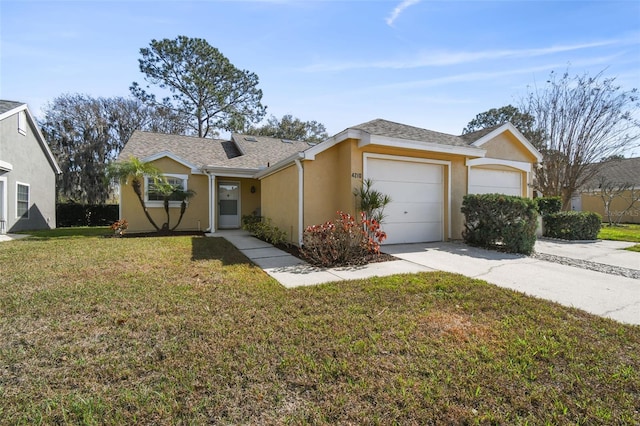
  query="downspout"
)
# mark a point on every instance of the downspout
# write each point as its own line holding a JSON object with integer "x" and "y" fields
{"x": 300, "y": 201}
{"x": 212, "y": 225}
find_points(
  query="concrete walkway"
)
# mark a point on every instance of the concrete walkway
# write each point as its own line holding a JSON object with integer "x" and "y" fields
{"x": 291, "y": 272}
{"x": 602, "y": 294}
{"x": 11, "y": 237}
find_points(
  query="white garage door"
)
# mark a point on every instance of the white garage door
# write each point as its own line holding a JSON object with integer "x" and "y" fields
{"x": 485, "y": 181}
{"x": 415, "y": 213}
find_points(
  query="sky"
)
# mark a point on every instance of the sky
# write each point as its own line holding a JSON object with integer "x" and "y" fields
{"x": 430, "y": 64}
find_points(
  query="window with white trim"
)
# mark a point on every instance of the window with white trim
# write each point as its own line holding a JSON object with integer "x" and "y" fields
{"x": 22, "y": 200}
{"x": 153, "y": 198}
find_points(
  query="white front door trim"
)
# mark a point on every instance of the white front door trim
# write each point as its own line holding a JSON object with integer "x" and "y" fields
{"x": 236, "y": 222}
{"x": 365, "y": 175}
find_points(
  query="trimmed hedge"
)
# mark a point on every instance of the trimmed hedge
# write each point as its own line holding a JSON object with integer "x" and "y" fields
{"x": 72, "y": 214}
{"x": 573, "y": 225}
{"x": 548, "y": 205}
{"x": 501, "y": 222}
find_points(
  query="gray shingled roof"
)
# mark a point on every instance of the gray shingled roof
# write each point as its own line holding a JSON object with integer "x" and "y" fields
{"x": 402, "y": 131}
{"x": 239, "y": 152}
{"x": 620, "y": 171}
{"x": 254, "y": 152}
{"x": 8, "y": 105}
{"x": 479, "y": 134}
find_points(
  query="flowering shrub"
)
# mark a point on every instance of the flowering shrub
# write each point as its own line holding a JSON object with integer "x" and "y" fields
{"x": 342, "y": 242}
{"x": 119, "y": 227}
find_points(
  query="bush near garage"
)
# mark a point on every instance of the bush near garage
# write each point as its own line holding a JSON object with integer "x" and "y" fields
{"x": 573, "y": 225}
{"x": 344, "y": 241}
{"x": 501, "y": 222}
{"x": 548, "y": 205}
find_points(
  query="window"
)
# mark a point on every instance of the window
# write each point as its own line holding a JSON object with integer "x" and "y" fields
{"x": 155, "y": 198}
{"x": 22, "y": 123}
{"x": 22, "y": 204}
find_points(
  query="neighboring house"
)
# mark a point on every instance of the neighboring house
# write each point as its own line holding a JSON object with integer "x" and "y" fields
{"x": 613, "y": 173}
{"x": 296, "y": 184}
{"x": 27, "y": 172}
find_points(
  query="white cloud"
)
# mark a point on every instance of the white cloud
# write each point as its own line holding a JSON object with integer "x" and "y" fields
{"x": 398, "y": 10}
{"x": 445, "y": 58}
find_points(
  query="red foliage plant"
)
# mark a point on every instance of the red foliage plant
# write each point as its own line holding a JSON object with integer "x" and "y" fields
{"x": 344, "y": 241}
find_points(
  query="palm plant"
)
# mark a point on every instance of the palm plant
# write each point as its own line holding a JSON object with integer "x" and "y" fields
{"x": 134, "y": 170}
{"x": 169, "y": 193}
{"x": 371, "y": 201}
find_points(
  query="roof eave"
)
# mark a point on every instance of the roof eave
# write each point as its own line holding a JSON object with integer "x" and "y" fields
{"x": 43, "y": 143}
{"x": 420, "y": 146}
{"x": 521, "y": 138}
{"x": 262, "y": 173}
{"x": 236, "y": 172}
{"x": 168, "y": 154}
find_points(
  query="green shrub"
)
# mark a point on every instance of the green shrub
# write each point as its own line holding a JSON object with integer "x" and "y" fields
{"x": 573, "y": 225}
{"x": 501, "y": 222}
{"x": 548, "y": 205}
{"x": 262, "y": 229}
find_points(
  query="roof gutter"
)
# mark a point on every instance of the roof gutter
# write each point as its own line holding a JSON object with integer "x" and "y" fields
{"x": 263, "y": 173}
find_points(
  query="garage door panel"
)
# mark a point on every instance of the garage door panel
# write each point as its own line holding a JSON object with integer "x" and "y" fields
{"x": 402, "y": 171}
{"x": 486, "y": 181}
{"x": 402, "y": 233}
{"x": 415, "y": 213}
{"x": 409, "y": 191}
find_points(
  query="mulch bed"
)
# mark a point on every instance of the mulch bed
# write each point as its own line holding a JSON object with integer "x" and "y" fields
{"x": 158, "y": 234}
{"x": 371, "y": 258}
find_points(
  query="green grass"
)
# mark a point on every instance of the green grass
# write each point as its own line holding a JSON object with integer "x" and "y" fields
{"x": 626, "y": 232}
{"x": 184, "y": 330}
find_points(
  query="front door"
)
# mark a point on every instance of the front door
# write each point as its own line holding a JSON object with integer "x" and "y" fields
{"x": 229, "y": 205}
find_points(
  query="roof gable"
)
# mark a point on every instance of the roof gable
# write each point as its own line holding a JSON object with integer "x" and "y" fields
{"x": 9, "y": 108}
{"x": 483, "y": 136}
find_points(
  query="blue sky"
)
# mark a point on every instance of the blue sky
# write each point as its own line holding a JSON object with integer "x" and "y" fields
{"x": 432, "y": 64}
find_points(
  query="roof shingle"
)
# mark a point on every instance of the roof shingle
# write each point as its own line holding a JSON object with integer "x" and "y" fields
{"x": 8, "y": 105}
{"x": 237, "y": 152}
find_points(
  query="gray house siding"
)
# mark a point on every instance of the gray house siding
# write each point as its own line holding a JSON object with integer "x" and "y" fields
{"x": 30, "y": 167}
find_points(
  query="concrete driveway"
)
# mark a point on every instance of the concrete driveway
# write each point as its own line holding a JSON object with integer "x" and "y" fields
{"x": 603, "y": 294}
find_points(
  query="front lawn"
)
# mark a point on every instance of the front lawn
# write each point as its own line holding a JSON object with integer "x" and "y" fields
{"x": 626, "y": 232}
{"x": 184, "y": 330}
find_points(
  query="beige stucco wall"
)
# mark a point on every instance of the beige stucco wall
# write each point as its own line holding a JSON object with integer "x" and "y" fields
{"x": 196, "y": 216}
{"x": 507, "y": 147}
{"x": 327, "y": 185}
{"x": 279, "y": 198}
{"x": 593, "y": 203}
{"x": 330, "y": 179}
